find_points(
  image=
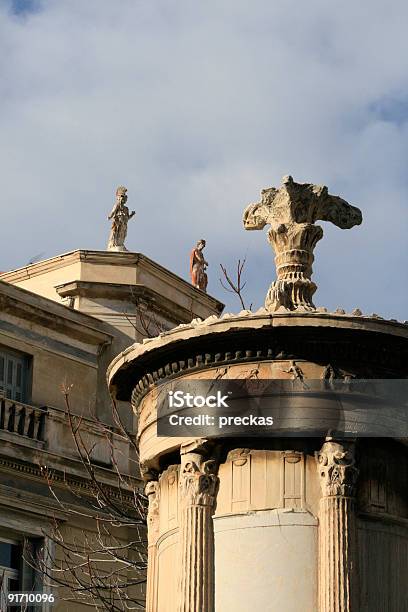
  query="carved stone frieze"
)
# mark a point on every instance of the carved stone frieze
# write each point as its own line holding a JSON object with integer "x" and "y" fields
{"x": 374, "y": 359}
{"x": 295, "y": 371}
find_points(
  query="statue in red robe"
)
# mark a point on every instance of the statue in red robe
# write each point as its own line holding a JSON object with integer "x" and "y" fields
{"x": 198, "y": 266}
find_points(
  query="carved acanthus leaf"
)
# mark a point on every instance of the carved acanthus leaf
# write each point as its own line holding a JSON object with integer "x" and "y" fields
{"x": 291, "y": 211}
{"x": 337, "y": 470}
{"x": 199, "y": 484}
{"x": 152, "y": 491}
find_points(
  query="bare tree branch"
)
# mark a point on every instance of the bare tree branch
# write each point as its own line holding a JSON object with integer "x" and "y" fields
{"x": 100, "y": 568}
{"x": 235, "y": 285}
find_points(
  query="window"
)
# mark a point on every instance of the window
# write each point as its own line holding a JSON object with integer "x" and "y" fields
{"x": 17, "y": 569}
{"x": 10, "y": 573}
{"x": 13, "y": 375}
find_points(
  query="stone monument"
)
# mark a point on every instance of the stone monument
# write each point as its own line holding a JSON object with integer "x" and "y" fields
{"x": 274, "y": 523}
{"x": 291, "y": 211}
{"x": 120, "y": 216}
{"x": 198, "y": 266}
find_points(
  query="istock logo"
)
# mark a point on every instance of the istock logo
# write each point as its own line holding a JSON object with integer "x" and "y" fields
{"x": 179, "y": 399}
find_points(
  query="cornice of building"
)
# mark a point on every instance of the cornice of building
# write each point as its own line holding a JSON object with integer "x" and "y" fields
{"x": 61, "y": 479}
{"x": 139, "y": 294}
{"x": 122, "y": 259}
{"x": 27, "y": 305}
{"x": 212, "y": 342}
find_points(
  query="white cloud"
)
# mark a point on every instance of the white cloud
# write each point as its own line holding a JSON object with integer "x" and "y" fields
{"x": 195, "y": 107}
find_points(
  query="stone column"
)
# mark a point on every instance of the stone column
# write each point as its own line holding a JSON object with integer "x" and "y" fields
{"x": 337, "y": 528}
{"x": 198, "y": 490}
{"x": 152, "y": 491}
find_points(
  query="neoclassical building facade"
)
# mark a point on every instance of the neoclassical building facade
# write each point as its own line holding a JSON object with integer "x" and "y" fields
{"x": 62, "y": 321}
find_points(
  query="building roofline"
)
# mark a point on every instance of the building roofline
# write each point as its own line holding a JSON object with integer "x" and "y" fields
{"x": 107, "y": 258}
{"x": 28, "y": 305}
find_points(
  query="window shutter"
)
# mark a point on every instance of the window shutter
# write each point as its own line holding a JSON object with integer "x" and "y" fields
{"x": 12, "y": 376}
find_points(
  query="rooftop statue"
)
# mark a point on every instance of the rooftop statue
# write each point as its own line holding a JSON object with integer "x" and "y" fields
{"x": 291, "y": 211}
{"x": 198, "y": 266}
{"x": 120, "y": 216}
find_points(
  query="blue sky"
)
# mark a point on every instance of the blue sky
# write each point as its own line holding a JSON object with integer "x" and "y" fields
{"x": 195, "y": 107}
{"x": 21, "y": 7}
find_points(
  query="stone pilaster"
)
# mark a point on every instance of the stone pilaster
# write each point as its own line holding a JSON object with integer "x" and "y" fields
{"x": 337, "y": 528}
{"x": 152, "y": 491}
{"x": 198, "y": 490}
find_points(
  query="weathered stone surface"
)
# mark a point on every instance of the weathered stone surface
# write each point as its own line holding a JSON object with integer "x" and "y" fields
{"x": 291, "y": 211}
{"x": 262, "y": 319}
{"x": 198, "y": 489}
{"x": 336, "y": 464}
{"x": 253, "y": 508}
{"x": 338, "y": 573}
{"x": 152, "y": 491}
{"x": 276, "y": 503}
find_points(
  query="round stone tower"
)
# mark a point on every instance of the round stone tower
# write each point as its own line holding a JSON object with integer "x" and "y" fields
{"x": 274, "y": 523}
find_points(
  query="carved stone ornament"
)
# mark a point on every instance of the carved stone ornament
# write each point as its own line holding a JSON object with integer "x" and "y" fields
{"x": 147, "y": 472}
{"x": 239, "y": 456}
{"x": 331, "y": 374}
{"x": 337, "y": 470}
{"x": 120, "y": 217}
{"x": 152, "y": 491}
{"x": 291, "y": 211}
{"x": 199, "y": 485}
{"x": 295, "y": 370}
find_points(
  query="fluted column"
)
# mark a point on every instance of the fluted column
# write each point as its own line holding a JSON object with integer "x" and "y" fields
{"x": 337, "y": 528}
{"x": 198, "y": 490}
{"x": 152, "y": 491}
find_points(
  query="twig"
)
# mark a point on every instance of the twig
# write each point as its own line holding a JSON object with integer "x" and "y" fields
{"x": 235, "y": 286}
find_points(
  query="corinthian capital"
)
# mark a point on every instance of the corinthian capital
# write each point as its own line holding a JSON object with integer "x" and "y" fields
{"x": 291, "y": 212}
{"x": 199, "y": 483}
{"x": 337, "y": 470}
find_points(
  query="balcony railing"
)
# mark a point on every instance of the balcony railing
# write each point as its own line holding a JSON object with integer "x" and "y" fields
{"x": 22, "y": 419}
